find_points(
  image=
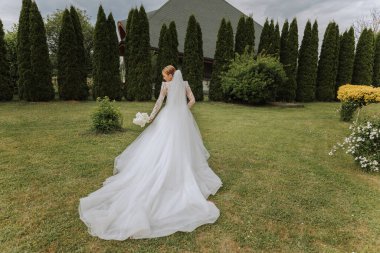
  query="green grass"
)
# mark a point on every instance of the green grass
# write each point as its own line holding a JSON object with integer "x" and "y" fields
{"x": 281, "y": 191}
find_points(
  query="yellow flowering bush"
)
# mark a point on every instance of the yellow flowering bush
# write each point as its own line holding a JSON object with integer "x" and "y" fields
{"x": 356, "y": 96}
{"x": 359, "y": 93}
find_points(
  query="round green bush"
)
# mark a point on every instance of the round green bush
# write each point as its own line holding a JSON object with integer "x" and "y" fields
{"x": 252, "y": 81}
{"x": 107, "y": 118}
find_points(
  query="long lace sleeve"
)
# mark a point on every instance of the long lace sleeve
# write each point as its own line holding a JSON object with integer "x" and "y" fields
{"x": 189, "y": 95}
{"x": 159, "y": 101}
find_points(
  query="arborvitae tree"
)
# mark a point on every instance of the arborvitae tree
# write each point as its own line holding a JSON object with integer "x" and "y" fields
{"x": 308, "y": 64}
{"x": 276, "y": 42}
{"x": 173, "y": 46}
{"x": 293, "y": 57}
{"x": 346, "y": 57}
{"x": 114, "y": 81}
{"x": 304, "y": 63}
{"x": 191, "y": 63}
{"x": 271, "y": 44}
{"x": 287, "y": 92}
{"x": 310, "y": 92}
{"x": 144, "y": 65}
{"x": 167, "y": 53}
{"x": 127, "y": 54}
{"x": 100, "y": 77}
{"x": 327, "y": 64}
{"x": 133, "y": 48}
{"x": 6, "y": 89}
{"x": 11, "y": 47}
{"x": 364, "y": 59}
{"x": 215, "y": 91}
{"x": 69, "y": 75}
{"x": 23, "y": 49}
{"x": 201, "y": 62}
{"x": 162, "y": 47}
{"x": 106, "y": 58}
{"x": 265, "y": 38}
{"x": 240, "y": 38}
{"x": 250, "y": 34}
{"x": 224, "y": 53}
{"x": 81, "y": 54}
{"x": 284, "y": 43}
{"x": 337, "y": 62}
{"x": 41, "y": 88}
{"x": 229, "y": 46}
{"x": 376, "y": 65}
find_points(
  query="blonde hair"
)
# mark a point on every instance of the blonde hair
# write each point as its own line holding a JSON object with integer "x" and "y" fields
{"x": 169, "y": 70}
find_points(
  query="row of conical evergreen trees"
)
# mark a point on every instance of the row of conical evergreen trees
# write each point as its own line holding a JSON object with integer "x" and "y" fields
{"x": 310, "y": 77}
{"x": 192, "y": 62}
{"x": 72, "y": 75}
{"x": 34, "y": 68}
{"x": 35, "y": 83}
{"x": 137, "y": 57}
{"x": 340, "y": 63}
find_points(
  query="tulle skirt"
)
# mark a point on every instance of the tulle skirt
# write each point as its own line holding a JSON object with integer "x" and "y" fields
{"x": 160, "y": 185}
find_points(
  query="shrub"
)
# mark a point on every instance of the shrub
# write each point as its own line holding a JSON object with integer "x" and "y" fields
{"x": 107, "y": 117}
{"x": 363, "y": 144}
{"x": 362, "y": 94}
{"x": 356, "y": 96}
{"x": 347, "y": 110}
{"x": 252, "y": 81}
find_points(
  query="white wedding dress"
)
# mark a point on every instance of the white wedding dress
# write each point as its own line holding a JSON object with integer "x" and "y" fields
{"x": 161, "y": 181}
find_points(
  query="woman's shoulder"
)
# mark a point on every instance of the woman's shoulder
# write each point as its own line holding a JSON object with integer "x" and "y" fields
{"x": 165, "y": 85}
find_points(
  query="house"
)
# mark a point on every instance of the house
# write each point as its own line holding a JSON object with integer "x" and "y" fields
{"x": 208, "y": 13}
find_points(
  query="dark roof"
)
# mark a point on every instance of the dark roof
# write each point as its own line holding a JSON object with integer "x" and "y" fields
{"x": 209, "y": 14}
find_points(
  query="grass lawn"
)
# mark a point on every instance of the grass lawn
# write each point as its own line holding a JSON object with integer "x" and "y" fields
{"x": 281, "y": 191}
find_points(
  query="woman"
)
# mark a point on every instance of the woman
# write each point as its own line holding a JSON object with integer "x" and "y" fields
{"x": 162, "y": 180}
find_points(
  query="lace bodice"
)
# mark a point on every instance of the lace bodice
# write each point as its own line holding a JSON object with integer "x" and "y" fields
{"x": 164, "y": 92}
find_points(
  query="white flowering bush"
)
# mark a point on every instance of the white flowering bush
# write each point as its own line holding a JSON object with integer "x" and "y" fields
{"x": 363, "y": 144}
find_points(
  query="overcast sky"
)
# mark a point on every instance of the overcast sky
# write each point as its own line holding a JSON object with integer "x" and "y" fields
{"x": 342, "y": 11}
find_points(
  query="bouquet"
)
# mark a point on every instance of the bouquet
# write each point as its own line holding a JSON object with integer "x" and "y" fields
{"x": 141, "y": 119}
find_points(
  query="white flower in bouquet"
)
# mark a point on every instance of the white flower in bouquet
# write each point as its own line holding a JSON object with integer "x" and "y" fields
{"x": 141, "y": 119}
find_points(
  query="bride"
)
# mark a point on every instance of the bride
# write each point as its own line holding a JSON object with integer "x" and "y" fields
{"x": 162, "y": 180}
